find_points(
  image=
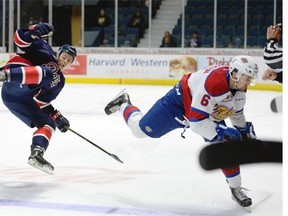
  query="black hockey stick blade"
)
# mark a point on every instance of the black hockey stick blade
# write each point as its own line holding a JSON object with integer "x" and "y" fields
{"x": 111, "y": 155}
{"x": 116, "y": 158}
{"x": 229, "y": 154}
{"x": 276, "y": 104}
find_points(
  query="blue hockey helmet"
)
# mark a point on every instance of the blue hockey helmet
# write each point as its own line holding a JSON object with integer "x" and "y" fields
{"x": 68, "y": 49}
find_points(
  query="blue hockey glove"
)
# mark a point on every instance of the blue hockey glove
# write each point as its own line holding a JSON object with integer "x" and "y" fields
{"x": 41, "y": 30}
{"x": 226, "y": 133}
{"x": 247, "y": 132}
{"x": 61, "y": 122}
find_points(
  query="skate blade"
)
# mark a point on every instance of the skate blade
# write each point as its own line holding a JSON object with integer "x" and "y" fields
{"x": 47, "y": 168}
{"x": 248, "y": 209}
{"x": 120, "y": 93}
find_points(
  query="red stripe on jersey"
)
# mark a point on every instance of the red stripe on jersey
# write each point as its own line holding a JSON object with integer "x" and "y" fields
{"x": 19, "y": 60}
{"x": 19, "y": 42}
{"x": 187, "y": 99}
{"x": 45, "y": 131}
{"x": 216, "y": 83}
{"x": 230, "y": 172}
{"x": 128, "y": 111}
{"x": 195, "y": 115}
{"x": 40, "y": 103}
{"x": 31, "y": 75}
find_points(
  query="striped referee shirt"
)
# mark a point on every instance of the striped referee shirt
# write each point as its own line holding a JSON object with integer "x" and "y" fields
{"x": 273, "y": 55}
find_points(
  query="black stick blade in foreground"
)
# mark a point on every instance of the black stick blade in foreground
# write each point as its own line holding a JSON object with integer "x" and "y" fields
{"x": 276, "y": 104}
{"x": 228, "y": 154}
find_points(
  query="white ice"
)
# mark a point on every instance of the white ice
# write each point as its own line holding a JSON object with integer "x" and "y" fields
{"x": 158, "y": 177}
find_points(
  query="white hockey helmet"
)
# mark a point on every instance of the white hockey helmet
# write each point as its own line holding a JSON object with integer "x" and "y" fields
{"x": 243, "y": 64}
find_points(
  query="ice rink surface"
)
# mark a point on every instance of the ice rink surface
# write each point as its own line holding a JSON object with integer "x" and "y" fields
{"x": 158, "y": 177}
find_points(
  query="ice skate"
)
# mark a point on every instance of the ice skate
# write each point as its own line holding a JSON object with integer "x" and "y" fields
{"x": 36, "y": 160}
{"x": 114, "y": 105}
{"x": 240, "y": 197}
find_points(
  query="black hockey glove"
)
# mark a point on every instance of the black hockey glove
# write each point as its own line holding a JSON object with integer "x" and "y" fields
{"x": 41, "y": 30}
{"x": 61, "y": 122}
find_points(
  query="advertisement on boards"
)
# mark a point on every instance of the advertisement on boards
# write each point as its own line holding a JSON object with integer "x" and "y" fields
{"x": 79, "y": 67}
{"x": 144, "y": 66}
{"x": 140, "y": 66}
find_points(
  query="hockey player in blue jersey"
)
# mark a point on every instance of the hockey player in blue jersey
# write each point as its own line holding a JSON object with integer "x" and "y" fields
{"x": 31, "y": 80}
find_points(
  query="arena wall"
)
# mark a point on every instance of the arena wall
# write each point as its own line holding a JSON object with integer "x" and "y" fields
{"x": 147, "y": 68}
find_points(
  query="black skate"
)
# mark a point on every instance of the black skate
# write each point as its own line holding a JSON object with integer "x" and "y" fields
{"x": 114, "y": 105}
{"x": 240, "y": 197}
{"x": 36, "y": 160}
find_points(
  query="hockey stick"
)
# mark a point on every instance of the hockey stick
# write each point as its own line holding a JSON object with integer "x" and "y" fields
{"x": 111, "y": 155}
{"x": 229, "y": 154}
{"x": 276, "y": 104}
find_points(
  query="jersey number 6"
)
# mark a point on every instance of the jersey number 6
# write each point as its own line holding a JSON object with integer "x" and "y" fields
{"x": 205, "y": 100}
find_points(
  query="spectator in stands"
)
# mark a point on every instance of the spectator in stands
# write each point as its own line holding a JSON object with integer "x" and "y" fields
{"x": 167, "y": 42}
{"x": 155, "y": 6}
{"x": 138, "y": 21}
{"x": 195, "y": 40}
{"x": 169, "y": 35}
{"x": 103, "y": 20}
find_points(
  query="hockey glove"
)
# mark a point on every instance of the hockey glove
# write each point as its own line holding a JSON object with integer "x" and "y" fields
{"x": 226, "y": 133}
{"x": 41, "y": 30}
{"x": 247, "y": 132}
{"x": 61, "y": 122}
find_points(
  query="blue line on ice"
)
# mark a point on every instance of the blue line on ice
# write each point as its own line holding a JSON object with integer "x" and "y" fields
{"x": 86, "y": 208}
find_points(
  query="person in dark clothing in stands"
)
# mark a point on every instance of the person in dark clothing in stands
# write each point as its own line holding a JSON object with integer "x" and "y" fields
{"x": 138, "y": 21}
{"x": 103, "y": 20}
{"x": 195, "y": 40}
{"x": 167, "y": 42}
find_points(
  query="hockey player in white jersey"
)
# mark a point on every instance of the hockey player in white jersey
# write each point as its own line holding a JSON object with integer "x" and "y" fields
{"x": 201, "y": 101}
